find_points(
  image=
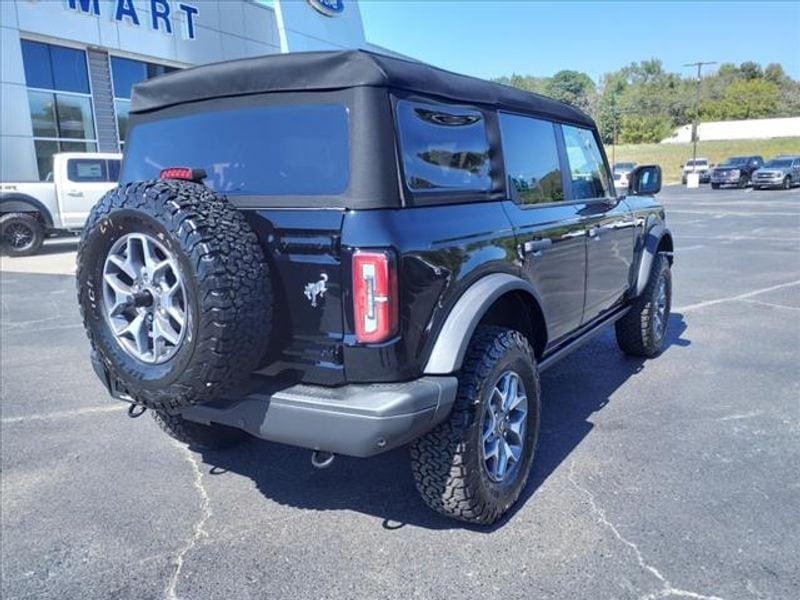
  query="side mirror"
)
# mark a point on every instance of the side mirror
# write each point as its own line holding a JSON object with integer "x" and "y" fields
{"x": 644, "y": 181}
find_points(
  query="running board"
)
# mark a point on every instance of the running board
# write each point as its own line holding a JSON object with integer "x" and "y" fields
{"x": 570, "y": 346}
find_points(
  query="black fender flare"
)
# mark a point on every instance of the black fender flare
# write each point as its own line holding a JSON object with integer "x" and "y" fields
{"x": 16, "y": 202}
{"x": 652, "y": 241}
{"x": 454, "y": 336}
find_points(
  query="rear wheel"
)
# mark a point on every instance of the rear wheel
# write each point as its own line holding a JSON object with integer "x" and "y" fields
{"x": 197, "y": 435}
{"x": 642, "y": 330}
{"x": 21, "y": 234}
{"x": 474, "y": 465}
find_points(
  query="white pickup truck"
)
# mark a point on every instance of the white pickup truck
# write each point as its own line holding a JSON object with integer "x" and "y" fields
{"x": 29, "y": 212}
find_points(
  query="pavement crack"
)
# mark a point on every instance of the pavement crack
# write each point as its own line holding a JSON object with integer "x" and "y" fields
{"x": 198, "y": 531}
{"x": 667, "y": 589}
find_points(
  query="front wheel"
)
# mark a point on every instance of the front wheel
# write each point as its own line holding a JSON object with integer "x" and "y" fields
{"x": 21, "y": 234}
{"x": 787, "y": 183}
{"x": 714, "y": 186}
{"x": 473, "y": 466}
{"x": 642, "y": 330}
{"x": 744, "y": 181}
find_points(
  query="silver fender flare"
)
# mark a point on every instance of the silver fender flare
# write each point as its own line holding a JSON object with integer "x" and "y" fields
{"x": 453, "y": 339}
{"x": 650, "y": 247}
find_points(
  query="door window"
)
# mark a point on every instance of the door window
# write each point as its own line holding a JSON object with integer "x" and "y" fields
{"x": 586, "y": 166}
{"x": 531, "y": 157}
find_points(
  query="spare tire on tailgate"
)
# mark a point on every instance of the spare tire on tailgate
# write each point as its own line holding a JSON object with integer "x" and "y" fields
{"x": 174, "y": 291}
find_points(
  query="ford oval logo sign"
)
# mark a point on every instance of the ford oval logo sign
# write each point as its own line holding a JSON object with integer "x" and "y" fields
{"x": 329, "y": 8}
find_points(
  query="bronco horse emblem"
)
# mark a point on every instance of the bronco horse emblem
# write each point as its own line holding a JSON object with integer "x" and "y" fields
{"x": 317, "y": 289}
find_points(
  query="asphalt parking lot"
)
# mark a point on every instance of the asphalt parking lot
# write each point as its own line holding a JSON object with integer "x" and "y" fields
{"x": 676, "y": 477}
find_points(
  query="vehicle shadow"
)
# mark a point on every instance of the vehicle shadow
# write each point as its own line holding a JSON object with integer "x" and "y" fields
{"x": 572, "y": 391}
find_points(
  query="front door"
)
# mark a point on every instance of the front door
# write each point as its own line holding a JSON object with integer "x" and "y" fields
{"x": 551, "y": 233}
{"x": 610, "y": 223}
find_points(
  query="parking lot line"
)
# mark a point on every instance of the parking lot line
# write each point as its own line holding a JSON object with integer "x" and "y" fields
{"x": 64, "y": 414}
{"x": 706, "y": 303}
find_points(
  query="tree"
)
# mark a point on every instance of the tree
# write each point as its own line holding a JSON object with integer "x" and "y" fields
{"x": 574, "y": 88}
{"x": 643, "y": 129}
{"x": 750, "y": 70}
{"x": 745, "y": 99}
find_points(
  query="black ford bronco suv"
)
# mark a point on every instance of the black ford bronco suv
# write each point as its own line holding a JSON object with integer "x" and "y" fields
{"x": 349, "y": 252}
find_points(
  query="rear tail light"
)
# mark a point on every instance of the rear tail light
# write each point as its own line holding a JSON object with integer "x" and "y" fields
{"x": 375, "y": 303}
{"x": 196, "y": 175}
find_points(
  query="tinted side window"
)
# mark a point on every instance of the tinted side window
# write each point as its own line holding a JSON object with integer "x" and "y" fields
{"x": 86, "y": 170}
{"x": 444, "y": 148}
{"x": 531, "y": 156}
{"x": 586, "y": 167}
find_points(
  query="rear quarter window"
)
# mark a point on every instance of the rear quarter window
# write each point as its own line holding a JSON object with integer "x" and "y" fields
{"x": 444, "y": 148}
{"x": 291, "y": 150}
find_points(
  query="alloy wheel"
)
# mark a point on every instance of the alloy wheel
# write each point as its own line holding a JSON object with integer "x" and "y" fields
{"x": 503, "y": 431}
{"x": 144, "y": 298}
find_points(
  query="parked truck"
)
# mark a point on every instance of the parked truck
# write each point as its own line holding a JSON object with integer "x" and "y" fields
{"x": 32, "y": 211}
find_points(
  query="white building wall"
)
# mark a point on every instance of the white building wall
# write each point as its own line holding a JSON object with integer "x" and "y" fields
{"x": 748, "y": 129}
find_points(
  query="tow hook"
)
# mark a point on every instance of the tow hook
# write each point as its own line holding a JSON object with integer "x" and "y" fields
{"x": 136, "y": 410}
{"x": 321, "y": 459}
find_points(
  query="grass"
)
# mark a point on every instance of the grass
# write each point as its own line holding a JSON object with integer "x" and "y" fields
{"x": 671, "y": 156}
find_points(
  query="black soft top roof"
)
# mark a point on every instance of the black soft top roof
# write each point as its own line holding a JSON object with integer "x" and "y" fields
{"x": 310, "y": 71}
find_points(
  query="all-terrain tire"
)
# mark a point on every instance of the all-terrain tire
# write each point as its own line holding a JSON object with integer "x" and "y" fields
{"x": 227, "y": 285}
{"x": 447, "y": 463}
{"x": 21, "y": 234}
{"x": 637, "y": 332}
{"x": 197, "y": 435}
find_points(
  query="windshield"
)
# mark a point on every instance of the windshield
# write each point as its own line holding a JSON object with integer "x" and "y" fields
{"x": 779, "y": 163}
{"x": 624, "y": 166}
{"x": 735, "y": 161}
{"x": 700, "y": 162}
{"x": 291, "y": 150}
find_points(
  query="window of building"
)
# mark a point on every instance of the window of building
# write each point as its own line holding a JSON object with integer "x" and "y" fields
{"x": 586, "y": 166}
{"x": 60, "y": 102}
{"x": 125, "y": 73}
{"x": 531, "y": 157}
{"x": 444, "y": 148}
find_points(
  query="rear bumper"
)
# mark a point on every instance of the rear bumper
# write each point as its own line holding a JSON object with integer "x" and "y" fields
{"x": 355, "y": 420}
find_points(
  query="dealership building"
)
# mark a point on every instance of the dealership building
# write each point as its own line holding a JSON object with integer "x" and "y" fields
{"x": 68, "y": 66}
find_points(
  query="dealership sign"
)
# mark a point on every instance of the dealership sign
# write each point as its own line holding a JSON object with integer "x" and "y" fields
{"x": 160, "y": 18}
{"x": 329, "y": 8}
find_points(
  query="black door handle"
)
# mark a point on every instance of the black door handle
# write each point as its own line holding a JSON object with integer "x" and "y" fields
{"x": 536, "y": 247}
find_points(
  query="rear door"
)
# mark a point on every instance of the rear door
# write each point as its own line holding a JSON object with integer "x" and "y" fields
{"x": 83, "y": 183}
{"x": 610, "y": 222}
{"x": 551, "y": 232}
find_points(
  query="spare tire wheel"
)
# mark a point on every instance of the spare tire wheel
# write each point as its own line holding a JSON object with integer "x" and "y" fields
{"x": 174, "y": 292}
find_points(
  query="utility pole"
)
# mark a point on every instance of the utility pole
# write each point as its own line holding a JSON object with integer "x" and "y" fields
{"x": 614, "y": 131}
{"x": 696, "y": 127}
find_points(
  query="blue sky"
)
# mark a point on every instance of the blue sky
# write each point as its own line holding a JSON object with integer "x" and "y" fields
{"x": 488, "y": 39}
